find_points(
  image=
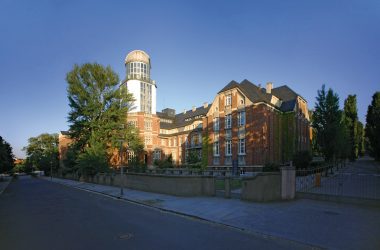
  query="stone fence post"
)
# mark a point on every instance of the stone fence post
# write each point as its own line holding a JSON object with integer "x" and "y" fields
{"x": 288, "y": 182}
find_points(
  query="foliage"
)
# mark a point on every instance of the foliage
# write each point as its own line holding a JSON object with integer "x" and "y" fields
{"x": 164, "y": 163}
{"x": 205, "y": 149}
{"x": 271, "y": 167}
{"x": 70, "y": 159}
{"x": 136, "y": 165}
{"x": 6, "y": 156}
{"x": 94, "y": 159}
{"x": 42, "y": 152}
{"x": 193, "y": 157}
{"x": 98, "y": 106}
{"x": 288, "y": 135}
{"x": 327, "y": 123}
{"x": 360, "y": 138}
{"x": 372, "y": 129}
{"x": 134, "y": 140}
{"x": 302, "y": 159}
{"x": 350, "y": 119}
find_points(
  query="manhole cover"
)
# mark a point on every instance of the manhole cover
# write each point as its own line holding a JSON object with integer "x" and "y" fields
{"x": 125, "y": 236}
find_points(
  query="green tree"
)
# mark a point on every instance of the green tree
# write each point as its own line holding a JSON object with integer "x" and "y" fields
{"x": 6, "y": 156}
{"x": 360, "y": 139}
{"x": 327, "y": 123}
{"x": 372, "y": 129}
{"x": 98, "y": 105}
{"x": 94, "y": 159}
{"x": 350, "y": 119}
{"x": 42, "y": 152}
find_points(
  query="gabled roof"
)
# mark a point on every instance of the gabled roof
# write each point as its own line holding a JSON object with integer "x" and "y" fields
{"x": 257, "y": 94}
{"x": 253, "y": 92}
{"x": 232, "y": 84}
{"x": 284, "y": 93}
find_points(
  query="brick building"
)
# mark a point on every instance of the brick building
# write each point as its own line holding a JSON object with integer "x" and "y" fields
{"x": 244, "y": 122}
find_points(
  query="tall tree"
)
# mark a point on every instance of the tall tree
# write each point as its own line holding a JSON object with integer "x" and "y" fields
{"x": 360, "y": 139}
{"x": 350, "y": 118}
{"x": 42, "y": 152}
{"x": 372, "y": 129}
{"x": 6, "y": 156}
{"x": 327, "y": 123}
{"x": 98, "y": 114}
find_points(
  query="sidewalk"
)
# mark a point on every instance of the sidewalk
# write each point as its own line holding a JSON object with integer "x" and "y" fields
{"x": 318, "y": 223}
{"x": 4, "y": 182}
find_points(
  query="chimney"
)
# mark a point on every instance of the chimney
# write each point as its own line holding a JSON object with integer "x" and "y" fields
{"x": 194, "y": 108}
{"x": 205, "y": 104}
{"x": 269, "y": 87}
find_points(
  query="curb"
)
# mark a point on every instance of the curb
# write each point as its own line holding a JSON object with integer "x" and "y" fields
{"x": 6, "y": 185}
{"x": 254, "y": 233}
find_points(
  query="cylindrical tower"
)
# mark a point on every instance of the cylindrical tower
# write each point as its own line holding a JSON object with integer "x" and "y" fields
{"x": 138, "y": 66}
{"x": 139, "y": 83}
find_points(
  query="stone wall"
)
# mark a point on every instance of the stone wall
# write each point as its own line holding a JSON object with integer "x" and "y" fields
{"x": 165, "y": 184}
{"x": 262, "y": 187}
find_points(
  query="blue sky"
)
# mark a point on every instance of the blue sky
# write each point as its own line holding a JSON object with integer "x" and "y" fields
{"x": 196, "y": 48}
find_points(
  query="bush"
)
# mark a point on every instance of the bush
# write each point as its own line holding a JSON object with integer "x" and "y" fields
{"x": 271, "y": 167}
{"x": 302, "y": 159}
{"x": 164, "y": 163}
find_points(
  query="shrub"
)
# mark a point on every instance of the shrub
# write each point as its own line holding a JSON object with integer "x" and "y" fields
{"x": 271, "y": 167}
{"x": 164, "y": 163}
{"x": 302, "y": 159}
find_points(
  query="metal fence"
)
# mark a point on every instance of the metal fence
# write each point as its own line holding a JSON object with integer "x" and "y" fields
{"x": 331, "y": 181}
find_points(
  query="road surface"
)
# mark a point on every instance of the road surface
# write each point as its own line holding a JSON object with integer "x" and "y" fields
{"x": 38, "y": 214}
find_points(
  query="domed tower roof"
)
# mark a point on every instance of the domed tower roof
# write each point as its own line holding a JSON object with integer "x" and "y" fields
{"x": 137, "y": 56}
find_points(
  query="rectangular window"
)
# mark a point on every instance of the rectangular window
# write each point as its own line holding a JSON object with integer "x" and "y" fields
{"x": 228, "y": 100}
{"x": 216, "y": 124}
{"x": 241, "y": 150}
{"x": 228, "y": 148}
{"x": 216, "y": 148}
{"x": 148, "y": 125}
{"x": 228, "y": 121}
{"x": 241, "y": 118}
{"x": 157, "y": 155}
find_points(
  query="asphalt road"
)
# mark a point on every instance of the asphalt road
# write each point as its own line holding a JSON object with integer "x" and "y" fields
{"x": 37, "y": 214}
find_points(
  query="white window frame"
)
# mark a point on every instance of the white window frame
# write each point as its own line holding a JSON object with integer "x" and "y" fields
{"x": 157, "y": 154}
{"x": 241, "y": 147}
{"x": 241, "y": 118}
{"x": 228, "y": 121}
{"x": 216, "y": 148}
{"x": 228, "y": 148}
{"x": 216, "y": 124}
{"x": 228, "y": 100}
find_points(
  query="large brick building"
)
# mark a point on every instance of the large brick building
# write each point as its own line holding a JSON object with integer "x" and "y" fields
{"x": 244, "y": 122}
